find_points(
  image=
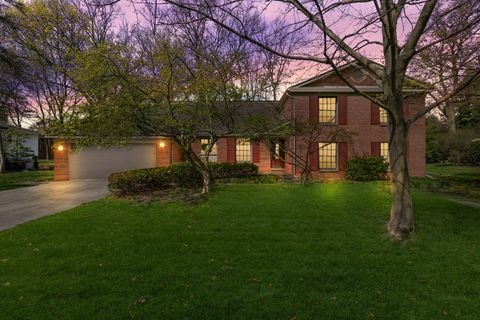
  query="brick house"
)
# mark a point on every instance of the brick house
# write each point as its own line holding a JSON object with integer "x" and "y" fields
{"x": 325, "y": 99}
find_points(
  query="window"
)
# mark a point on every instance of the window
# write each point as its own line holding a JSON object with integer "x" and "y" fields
{"x": 327, "y": 110}
{"x": 383, "y": 116}
{"x": 327, "y": 156}
{"x": 243, "y": 150}
{"x": 384, "y": 151}
{"x": 203, "y": 147}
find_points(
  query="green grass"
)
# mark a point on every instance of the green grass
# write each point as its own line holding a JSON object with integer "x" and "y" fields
{"x": 456, "y": 172}
{"x": 24, "y": 179}
{"x": 454, "y": 180}
{"x": 249, "y": 252}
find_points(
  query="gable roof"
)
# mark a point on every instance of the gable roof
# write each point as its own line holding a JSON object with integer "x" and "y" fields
{"x": 311, "y": 85}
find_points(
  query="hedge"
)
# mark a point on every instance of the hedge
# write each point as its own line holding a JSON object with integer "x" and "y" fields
{"x": 176, "y": 175}
{"x": 366, "y": 168}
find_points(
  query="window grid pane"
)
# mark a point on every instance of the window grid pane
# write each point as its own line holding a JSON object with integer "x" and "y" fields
{"x": 383, "y": 116}
{"x": 243, "y": 152}
{"x": 384, "y": 151}
{"x": 327, "y": 156}
{"x": 203, "y": 147}
{"x": 327, "y": 110}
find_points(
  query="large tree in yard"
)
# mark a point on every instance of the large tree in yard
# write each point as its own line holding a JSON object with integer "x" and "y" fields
{"x": 177, "y": 80}
{"x": 452, "y": 60}
{"x": 336, "y": 31}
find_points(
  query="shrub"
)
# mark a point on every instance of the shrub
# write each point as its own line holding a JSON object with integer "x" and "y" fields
{"x": 176, "y": 175}
{"x": 232, "y": 170}
{"x": 15, "y": 165}
{"x": 137, "y": 181}
{"x": 183, "y": 175}
{"x": 366, "y": 168}
{"x": 461, "y": 147}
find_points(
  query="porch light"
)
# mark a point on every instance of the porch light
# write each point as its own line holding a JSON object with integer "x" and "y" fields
{"x": 60, "y": 147}
{"x": 161, "y": 144}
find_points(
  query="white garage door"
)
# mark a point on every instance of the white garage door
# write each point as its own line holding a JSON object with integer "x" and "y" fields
{"x": 91, "y": 163}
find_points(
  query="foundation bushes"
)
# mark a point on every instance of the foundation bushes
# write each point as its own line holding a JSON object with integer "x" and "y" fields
{"x": 366, "y": 169}
{"x": 137, "y": 181}
{"x": 232, "y": 170}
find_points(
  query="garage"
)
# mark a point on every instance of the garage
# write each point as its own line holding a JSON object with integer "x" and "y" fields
{"x": 93, "y": 163}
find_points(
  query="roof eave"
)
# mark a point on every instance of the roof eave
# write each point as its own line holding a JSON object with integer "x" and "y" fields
{"x": 341, "y": 89}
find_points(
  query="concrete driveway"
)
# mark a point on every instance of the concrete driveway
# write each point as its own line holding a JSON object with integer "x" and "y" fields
{"x": 30, "y": 203}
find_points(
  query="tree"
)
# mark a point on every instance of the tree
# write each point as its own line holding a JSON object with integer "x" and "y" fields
{"x": 177, "y": 81}
{"x": 49, "y": 35}
{"x": 401, "y": 35}
{"x": 272, "y": 126}
{"x": 452, "y": 60}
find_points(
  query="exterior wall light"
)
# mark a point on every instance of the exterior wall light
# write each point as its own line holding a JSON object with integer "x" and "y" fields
{"x": 60, "y": 147}
{"x": 161, "y": 144}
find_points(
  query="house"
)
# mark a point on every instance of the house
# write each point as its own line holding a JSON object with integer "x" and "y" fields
{"x": 324, "y": 98}
{"x": 18, "y": 142}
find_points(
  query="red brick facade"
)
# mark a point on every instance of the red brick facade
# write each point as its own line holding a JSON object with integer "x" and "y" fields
{"x": 60, "y": 161}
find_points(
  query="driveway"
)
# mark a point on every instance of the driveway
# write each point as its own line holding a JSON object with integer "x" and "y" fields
{"x": 30, "y": 203}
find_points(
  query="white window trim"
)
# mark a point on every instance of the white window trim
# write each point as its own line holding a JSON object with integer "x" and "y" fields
{"x": 251, "y": 151}
{"x": 336, "y": 159}
{"x": 336, "y": 111}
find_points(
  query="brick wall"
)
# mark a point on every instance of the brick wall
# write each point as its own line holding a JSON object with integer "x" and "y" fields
{"x": 162, "y": 148}
{"x": 60, "y": 161}
{"x": 264, "y": 166}
{"x": 222, "y": 150}
{"x": 359, "y": 122}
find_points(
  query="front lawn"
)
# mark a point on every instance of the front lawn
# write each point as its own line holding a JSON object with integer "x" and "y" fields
{"x": 24, "y": 179}
{"x": 249, "y": 252}
{"x": 453, "y": 180}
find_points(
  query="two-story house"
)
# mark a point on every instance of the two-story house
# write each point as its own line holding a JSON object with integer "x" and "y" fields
{"x": 324, "y": 99}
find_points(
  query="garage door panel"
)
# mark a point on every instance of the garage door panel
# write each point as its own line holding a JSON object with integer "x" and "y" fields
{"x": 92, "y": 163}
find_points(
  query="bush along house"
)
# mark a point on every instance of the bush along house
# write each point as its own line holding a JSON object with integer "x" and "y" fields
{"x": 324, "y": 100}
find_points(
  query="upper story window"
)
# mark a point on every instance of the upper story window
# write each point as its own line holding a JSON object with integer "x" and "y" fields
{"x": 327, "y": 156}
{"x": 243, "y": 150}
{"x": 327, "y": 110}
{"x": 203, "y": 147}
{"x": 383, "y": 116}
{"x": 384, "y": 151}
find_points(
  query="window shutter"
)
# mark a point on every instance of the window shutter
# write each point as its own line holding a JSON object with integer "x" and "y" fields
{"x": 374, "y": 113}
{"x": 376, "y": 149}
{"x": 230, "y": 149}
{"x": 406, "y": 107}
{"x": 342, "y": 155}
{"x": 314, "y": 156}
{"x": 313, "y": 109}
{"x": 256, "y": 152}
{"x": 342, "y": 110}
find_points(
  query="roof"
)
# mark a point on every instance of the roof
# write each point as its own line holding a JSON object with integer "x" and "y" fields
{"x": 303, "y": 88}
{"x": 243, "y": 110}
{"x": 24, "y": 130}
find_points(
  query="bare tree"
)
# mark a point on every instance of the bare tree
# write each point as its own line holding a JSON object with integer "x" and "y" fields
{"x": 336, "y": 31}
{"x": 449, "y": 62}
{"x": 169, "y": 78}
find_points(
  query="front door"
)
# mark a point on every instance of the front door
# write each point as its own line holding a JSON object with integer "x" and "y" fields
{"x": 277, "y": 153}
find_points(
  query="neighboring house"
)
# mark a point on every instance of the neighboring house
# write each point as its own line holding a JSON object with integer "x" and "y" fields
{"x": 324, "y": 98}
{"x": 20, "y": 138}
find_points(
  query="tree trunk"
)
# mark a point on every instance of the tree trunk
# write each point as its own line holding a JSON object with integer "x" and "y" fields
{"x": 401, "y": 222}
{"x": 450, "y": 115}
{"x": 197, "y": 164}
{"x": 206, "y": 181}
{"x": 47, "y": 148}
{"x": 2, "y": 155}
